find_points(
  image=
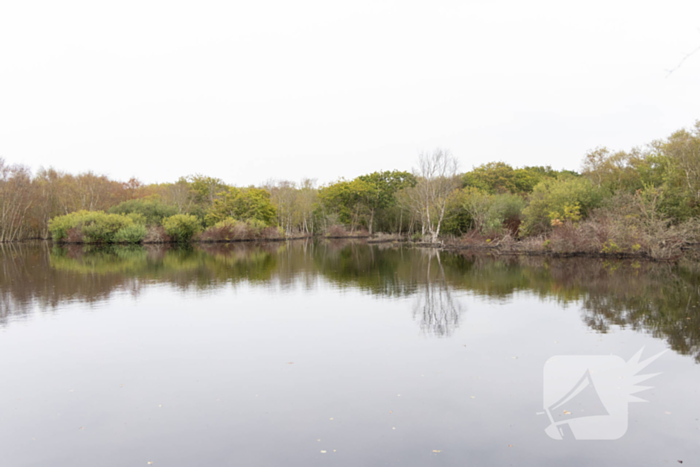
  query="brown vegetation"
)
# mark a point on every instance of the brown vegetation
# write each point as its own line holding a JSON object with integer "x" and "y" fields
{"x": 232, "y": 231}
{"x": 338, "y": 231}
{"x": 156, "y": 234}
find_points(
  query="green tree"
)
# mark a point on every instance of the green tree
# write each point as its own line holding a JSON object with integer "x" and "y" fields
{"x": 683, "y": 150}
{"x": 679, "y": 160}
{"x": 243, "y": 204}
{"x": 378, "y": 191}
{"x": 526, "y": 178}
{"x": 614, "y": 171}
{"x": 344, "y": 200}
{"x": 499, "y": 177}
{"x": 493, "y": 177}
{"x": 205, "y": 190}
{"x": 153, "y": 211}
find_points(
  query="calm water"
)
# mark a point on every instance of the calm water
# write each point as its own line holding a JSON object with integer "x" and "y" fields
{"x": 330, "y": 353}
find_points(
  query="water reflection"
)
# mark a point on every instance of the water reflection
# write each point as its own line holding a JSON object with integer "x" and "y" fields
{"x": 436, "y": 310}
{"x": 659, "y": 299}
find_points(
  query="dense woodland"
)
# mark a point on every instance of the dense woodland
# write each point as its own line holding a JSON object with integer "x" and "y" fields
{"x": 645, "y": 199}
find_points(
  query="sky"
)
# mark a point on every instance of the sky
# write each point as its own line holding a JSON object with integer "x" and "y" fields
{"x": 251, "y": 91}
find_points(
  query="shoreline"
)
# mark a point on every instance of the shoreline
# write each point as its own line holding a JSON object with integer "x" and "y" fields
{"x": 495, "y": 250}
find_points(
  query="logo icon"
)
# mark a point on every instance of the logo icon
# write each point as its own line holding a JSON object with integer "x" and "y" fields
{"x": 586, "y": 397}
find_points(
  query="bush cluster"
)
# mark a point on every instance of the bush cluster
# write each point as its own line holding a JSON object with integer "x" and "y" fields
{"x": 100, "y": 227}
{"x": 182, "y": 227}
{"x": 94, "y": 227}
{"x": 134, "y": 233}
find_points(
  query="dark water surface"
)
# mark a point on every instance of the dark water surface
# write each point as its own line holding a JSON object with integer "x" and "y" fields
{"x": 330, "y": 353}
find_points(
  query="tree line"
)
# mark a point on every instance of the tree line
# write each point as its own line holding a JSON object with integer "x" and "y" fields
{"x": 647, "y": 191}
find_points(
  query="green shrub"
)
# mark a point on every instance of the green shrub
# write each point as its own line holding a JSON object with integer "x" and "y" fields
{"x": 137, "y": 218}
{"x": 229, "y": 222}
{"x": 182, "y": 227}
{"x": 152, "y": 212}
{"x": 134, "y": 233}
{"x": 93, "y": 226}
{"x": 59, "y": 226}
{"x": 550, "y": 200}
{"x": 256, "y": 224}
{"x": 103, "y": 227}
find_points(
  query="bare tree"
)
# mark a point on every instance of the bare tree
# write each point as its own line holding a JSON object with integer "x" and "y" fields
{"x": 15, "y": 200}
{"x": 179, "y": 194}
{"x": 294, "y": 204}
{"x": 283, "y": 194}
{"x": 437, "y": 178}
{"x": 307, "y": 197}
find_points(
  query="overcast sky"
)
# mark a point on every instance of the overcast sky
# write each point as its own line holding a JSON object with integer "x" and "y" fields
{"x": 252, "y": 90}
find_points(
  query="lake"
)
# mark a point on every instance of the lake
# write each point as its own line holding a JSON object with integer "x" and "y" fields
{"x": 344, "y": 354}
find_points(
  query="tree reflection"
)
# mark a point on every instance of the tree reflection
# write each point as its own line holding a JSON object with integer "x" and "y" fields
{"x": 660, "y": 299}
{"x": 434, "y": 307}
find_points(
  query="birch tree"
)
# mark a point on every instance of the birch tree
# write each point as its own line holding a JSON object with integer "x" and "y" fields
{"x": 437, "y": 178}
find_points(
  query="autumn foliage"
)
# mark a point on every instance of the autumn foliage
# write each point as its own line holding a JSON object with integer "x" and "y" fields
{"x": 643, "y": 200}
